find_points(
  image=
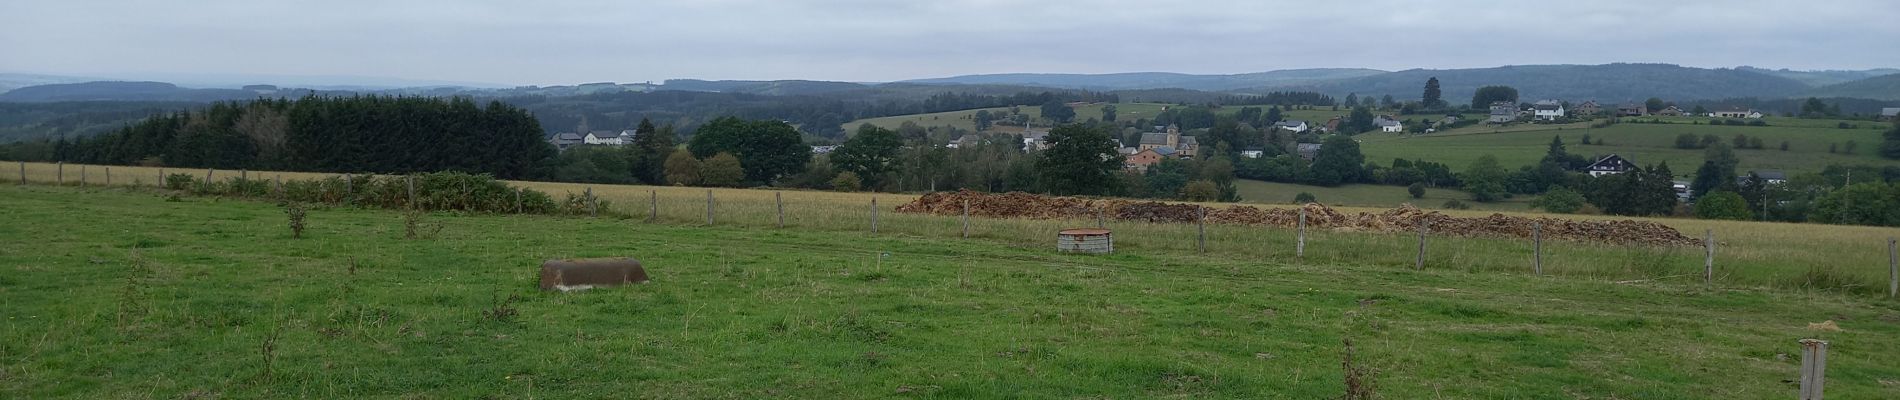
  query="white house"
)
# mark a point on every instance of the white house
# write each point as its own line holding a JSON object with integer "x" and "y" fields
{"x": 1296, "y": 126}
{"x": 1388, "y": 125}
{"x": 562, "y": 141}
{"x": 1736, "y": 113}
{"x": 1609, "y": 165}
{"x": 1548, "y": 110}
{"x": 608, "y": 138}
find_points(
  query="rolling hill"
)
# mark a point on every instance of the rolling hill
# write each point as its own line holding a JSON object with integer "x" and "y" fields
{"x": 1885, "y": 87}
{"x": 121, "y": 91}
{"x": 1161, "y": 80}
{"x": 1604, "y": 83}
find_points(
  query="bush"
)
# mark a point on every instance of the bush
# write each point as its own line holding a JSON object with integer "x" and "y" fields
{"x": 433, "y": 191}
{"x": 1560, "y": 200}
{"x": 1417, "y": 190}
{"x": 721, "y": 170}
{"x": 1454, "y": 204}
{"x": 1200, "y": 190}
{"x": 1721, "y": 204}
{"x": 847, "y": 182}
{"x": 1304, "y": 198}
{"x": 295, "y": 212}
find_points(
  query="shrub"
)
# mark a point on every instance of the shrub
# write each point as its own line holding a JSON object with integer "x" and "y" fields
{"x": 1416, "y": 189}
{"x": 721, "y": 170}
{"x": 1304, "y": 198}
{"x": 180, "y": 181}
{"x": 1200, "y": 190}
{"x": 1454, "y": 204}
{"x": 682, "y": 169}
{"x": 1721, "y": 204}
{"x": 847, "y": 182}
{"x": 1560, "y": 200}
{"x": 295, "y": 212}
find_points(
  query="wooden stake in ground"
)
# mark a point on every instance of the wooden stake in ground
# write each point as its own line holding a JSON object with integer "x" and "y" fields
{"x": 277, "y": 185}
{"x": 208, "y": 172}
{"x": 108, "y": 176}
{"x": 1813, "y": 368}
{"x": 966, "y": 218}
{"x": 82, "y": 175}
{"x": 1299, "y": 245}
{"x": 161, "y": 177}
{"x": 709, "y": 207}
{"x": 653, "y": 205}
{"x": 1708, "y": 261}
{"x": 1537, "y": 248}
{"x": 593, "y": 208}
{"x": 244, "y": 174}
{"x": 1200, "y": 223}
{"x": 23, "y": 173}
{"x": 874, "y": 215}
{"x": 1101, "y": 218}
{"x": 778, "y": 198}
{"x": 59, "y": 176}
{"x": 517, "y": 200}
{"x": 349, "y": 186}
{"x": 1422, "y": 227}
{"x": 411, "y": 179}
{"x": 1893, "y": 270}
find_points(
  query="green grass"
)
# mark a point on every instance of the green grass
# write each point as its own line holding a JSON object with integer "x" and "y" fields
{"x": 1361, "y": 195}
{"x": 1643, "y": 143}
{"x": 124, "y": 294}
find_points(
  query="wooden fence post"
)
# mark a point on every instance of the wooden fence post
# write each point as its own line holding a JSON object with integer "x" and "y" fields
{"x": 108, "y": 176}
{"x": 244, "y": 174}
{"x": 1101, "y": 218}
{"x": 1200, "y": 223}
{"x": 23, "y": 173}
{"x": 411, "y": 180}
{"x": 1893, "y": 269}
{"x": 653, "y": 205}
{"x": 208, "y": 172}
{"x": 1537, "y": 248}
{"x": 1708, "y": 261}
{"x": 1299, "y": 246}
{"x": 966, "y": 218}
{"x": 277, "y": 185}
{"x": 161, "y": 177}
{"x": 874, "y": 215}
{"x": 82, "y": 175}
{"x": 1422, "y": 227}
{"x": 59, "y": 176}
{"x": 1813, "y": 368}
{"x": 349, "y": 185}
{"x": 517, "y": 200}
{"x": 709, "y": 207}
{"x": 593, "y": 209}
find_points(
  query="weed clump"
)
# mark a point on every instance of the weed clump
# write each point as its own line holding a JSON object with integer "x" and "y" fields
{"x": 295, "y": 212}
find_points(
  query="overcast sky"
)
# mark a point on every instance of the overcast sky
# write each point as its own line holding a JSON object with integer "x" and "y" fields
{"x": 567, "y": 42}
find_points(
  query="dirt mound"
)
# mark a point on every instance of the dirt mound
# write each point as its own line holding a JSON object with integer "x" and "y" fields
{"x": 1318, "y": 216}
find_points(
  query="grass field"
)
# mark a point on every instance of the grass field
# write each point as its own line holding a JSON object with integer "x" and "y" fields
{"x": 1123, "y": 112}
{"x": 1361, "y": 195}
{"x": 1643, "y": 143}
{"x": 112, "y": 293}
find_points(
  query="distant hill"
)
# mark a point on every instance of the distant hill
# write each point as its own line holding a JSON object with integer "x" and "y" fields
{"x": 1160, "y": 80}
{"x": 1886, "y": 87}
{"x": 121, "y": 91}
{"x": 10, "y": 81}
{"x": 1604, "y": 83}
{"x": 1825, "y": 77}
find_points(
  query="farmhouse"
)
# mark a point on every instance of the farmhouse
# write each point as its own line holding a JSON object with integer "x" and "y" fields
{"x": 1672, "y": 111}
{"x": 1889, "y": 113}
{"x": 1140, "y": 161}
{"x": 1588, "y": 108}
{"x": 1736, "y": 112}
{"x": 823, "y": 149}
{"x": 1035, "y": 140}
{"x": 1611, "y": 164}
{"x": 1253, "y": 152}
{"x": 1548, "y": 110}
{"x": 1388, "y": 125}
{"x": 609, "y": 138}
{"x": 562, "y": 141}
{"x": 1502, "y": 112}
{"x": 1296, "y": 126}
{"x": 1773, "y": 177}
{"x": 1331, "y": 125}
{"x": 1632, "y": 110}
{"x": 1307, "y": 150}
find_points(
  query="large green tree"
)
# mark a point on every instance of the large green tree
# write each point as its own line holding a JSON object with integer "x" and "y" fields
{"x": 1722, "y": 204}
{"x": 1490, "y": 94}
{"x": 1081, "y": 159}
{"x": 1868, "y": 203}
{"x": 871, "y": 154}
{"x": 766, "y": 149}
{"x": 1890, "y": 146}
{"x": 1485, "y": 179}
{"x": 1057, "y": 112}
{"x": 1339, "y": 161}
{"x": 1433, "y": 97}
{"x": 647, "y": 155}
{"x": 1717, "y": 171}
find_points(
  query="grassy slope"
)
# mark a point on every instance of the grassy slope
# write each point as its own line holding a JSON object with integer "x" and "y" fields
{"x": 808, "y": 314}
{"x": 1252, "y": 191}
{"x": 1642, "y": 143}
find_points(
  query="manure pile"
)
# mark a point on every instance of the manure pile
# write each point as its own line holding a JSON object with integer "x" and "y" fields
{"x": 1405, "y": 218}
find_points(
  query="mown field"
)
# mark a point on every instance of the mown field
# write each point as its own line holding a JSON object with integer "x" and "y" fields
{"x": 1643, "y": 143}
{"x": 1375, "y": 196}
{"x": 114, "y": 292}
{"x": 1123, "y": 112}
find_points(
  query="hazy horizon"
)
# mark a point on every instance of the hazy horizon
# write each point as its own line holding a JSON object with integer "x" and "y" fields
{"x": 572, "y": 42}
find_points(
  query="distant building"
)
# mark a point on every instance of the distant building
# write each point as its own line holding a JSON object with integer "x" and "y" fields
{"x": 1671, "y": 111}
{"x": 562, "y": 141}
{"x": 1773, "y": 177}
{"x": 1736, "y": 113}
{"x": 1502, "y": 112}
{"x": 1548, "y": 110}
{"x": 1035, "y": 140}
{"x": 1141, "y": 160}
{"x": 1388, "y": 125}
{"x": 609, "y": 138}
{"x": 823, "y": 149}
{"x": 1632, "y": 110}
{"x": 1332, "y": 124}
{"x": 1588, "y": 108}
{"x": 1294, "y": 125}
{"x": 1889, "y": 113}
{"x": 1170, "y": 137}
{"x": 1253, "y": 152}
{"x": 1307, "y": 150}
{"x": 1608, "y": 165}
